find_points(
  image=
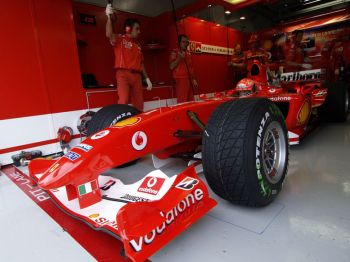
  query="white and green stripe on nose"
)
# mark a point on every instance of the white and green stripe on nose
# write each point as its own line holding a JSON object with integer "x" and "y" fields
{"x": 87, "y": 188}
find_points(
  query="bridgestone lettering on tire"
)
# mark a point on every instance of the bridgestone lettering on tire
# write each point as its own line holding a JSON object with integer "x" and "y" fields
{"x": 109, "y": 115}
{"x": 245, "y": 151}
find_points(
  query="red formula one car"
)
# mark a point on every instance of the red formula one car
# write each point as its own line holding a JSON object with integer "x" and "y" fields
{"x": 240, "y": 137}
{"x": 242, "y": 144}
{"x": 302, "y": 97}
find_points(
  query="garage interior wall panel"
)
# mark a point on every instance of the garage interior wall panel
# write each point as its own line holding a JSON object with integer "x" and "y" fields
{"x": 59, "y": 55}
{"x": 21, "y": 68}
{"x": 96, "y": 54}
{"x": 40, "y": 73}
{"x": 211, "y": 70}
{"x": 39, "y": 63}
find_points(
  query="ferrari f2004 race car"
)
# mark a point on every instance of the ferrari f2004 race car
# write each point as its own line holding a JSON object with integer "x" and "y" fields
{"x": 242, "y": 144}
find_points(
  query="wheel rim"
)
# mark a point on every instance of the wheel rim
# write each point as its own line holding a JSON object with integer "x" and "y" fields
{"x": 274, "y": 152}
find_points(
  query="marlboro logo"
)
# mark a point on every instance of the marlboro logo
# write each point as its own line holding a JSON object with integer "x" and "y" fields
{"x": 309, "y": 75}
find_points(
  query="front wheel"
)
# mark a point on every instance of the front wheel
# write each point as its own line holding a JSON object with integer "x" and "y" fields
{"x": 110, "y": 115}
{"x": 245, "y": 151}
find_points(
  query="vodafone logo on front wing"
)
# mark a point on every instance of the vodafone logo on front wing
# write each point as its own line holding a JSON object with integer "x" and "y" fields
{"x": 139, "y": 140}
{"x": 151, "y": 185}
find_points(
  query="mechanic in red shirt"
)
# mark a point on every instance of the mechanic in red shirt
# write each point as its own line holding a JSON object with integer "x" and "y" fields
{"x": 128, "y": 61}
{"x": 181, "y": 65}
{"x": 255, "y": 49}
{"x": 294, "y": 53}
{"x": 238, "y": 63}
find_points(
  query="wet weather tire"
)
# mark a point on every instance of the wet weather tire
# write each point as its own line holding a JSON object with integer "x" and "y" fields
{"x": 245, "y": 151}
{"x": 108, "y": 116}
{"x": 336, "y": 106}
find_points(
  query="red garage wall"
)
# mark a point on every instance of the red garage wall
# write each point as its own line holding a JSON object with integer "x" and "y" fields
{"x": 95, "y": 52}
{"x": 211, "y": 69}
{"x": 39, "y": 63}
{"x": 40, "y": 67}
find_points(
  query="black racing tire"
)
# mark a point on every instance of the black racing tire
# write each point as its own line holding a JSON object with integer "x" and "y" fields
{"x": 233, "y": 143}
{"x": 110, "y": 115}
{"x": 336, "y": 106}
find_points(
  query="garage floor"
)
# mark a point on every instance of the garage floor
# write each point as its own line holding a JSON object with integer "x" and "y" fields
{"x": 309, "y": 221}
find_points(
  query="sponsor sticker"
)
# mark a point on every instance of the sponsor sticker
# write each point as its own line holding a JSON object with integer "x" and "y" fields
{"x": 280, "y": 98}
{"x": 304, "y": 112}
{"x": 94, "y": 216}
{"x": 102, "y": 221}
{"x": 302, "y": 75}
{"x": 100, "y": 134}
{"x": 139, "y": 140}
{"x": 84, "y": 147}
{"x": 54, "y": 167}
{"x": 108, "y": 185}
{"x": 72, "y": 156}
{"x": 151, "y": 185}
{"x": 134, "y": 198}
{"x": 184, "y": 209}
{"x": 187, "y": 183}
{"x": 131, "y": 121}
{"x": 87, "y": 188}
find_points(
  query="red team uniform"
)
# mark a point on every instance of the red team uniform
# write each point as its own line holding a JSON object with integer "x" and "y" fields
{"x": 183, "y": 76}
{"x": 128, "y": 60}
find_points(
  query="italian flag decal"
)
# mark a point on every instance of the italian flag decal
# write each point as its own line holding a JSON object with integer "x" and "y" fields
{"x": 87, "y": 188}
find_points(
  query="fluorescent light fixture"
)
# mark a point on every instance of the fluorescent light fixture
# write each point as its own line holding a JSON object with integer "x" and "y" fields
{"x": 242, "y": 17}
{"x": 234, "y": 2}
{"x": 228, "y": 12}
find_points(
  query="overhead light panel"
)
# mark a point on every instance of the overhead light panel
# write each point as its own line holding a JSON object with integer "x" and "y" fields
{"x": 242, "y": 17}
{"x": 234, "y": 2}
{"x": 228, "y": 12}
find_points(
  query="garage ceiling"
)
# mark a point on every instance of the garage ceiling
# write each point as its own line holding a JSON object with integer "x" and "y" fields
{"x": 148, "y": 8}
{"x": 264, "y": 14}
{"x": 270, "y": 13}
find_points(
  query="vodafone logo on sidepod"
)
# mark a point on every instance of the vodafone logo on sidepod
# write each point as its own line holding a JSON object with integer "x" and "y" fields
{"x": 139, "y": 140}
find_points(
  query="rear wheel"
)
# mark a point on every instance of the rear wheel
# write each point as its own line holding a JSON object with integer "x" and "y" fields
{"x": 336, "y": 106}
{"x": 245, "y": 151}
{"x": 111, "y": 115}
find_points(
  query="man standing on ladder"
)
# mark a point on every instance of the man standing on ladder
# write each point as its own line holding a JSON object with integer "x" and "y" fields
{"x": 128, "y": 61}
{"x": 181, "y": 66}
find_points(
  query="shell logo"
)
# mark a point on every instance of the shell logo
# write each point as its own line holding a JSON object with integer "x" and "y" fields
{"x": 128, "y": 122}
{"x": 94, "y": 216}
{"x": 54, "y": 167}
{"x": 304, "y": 112}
